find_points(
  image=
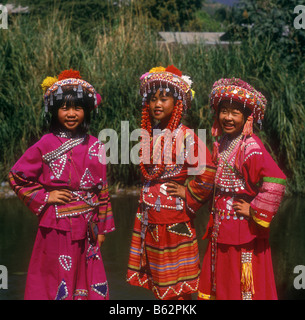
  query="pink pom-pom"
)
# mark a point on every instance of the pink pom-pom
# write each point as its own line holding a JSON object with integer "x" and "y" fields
{"x": 98, "y": 98}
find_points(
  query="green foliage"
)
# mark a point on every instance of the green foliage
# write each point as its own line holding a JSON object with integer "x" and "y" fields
{"x": 169, "y": 15}
{"x": 114, "y": 58}
{"x": 203, "y": 22}
{"x": 271, "y": 20}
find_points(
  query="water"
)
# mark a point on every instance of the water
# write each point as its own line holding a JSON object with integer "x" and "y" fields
{"x": 18, "y": 227}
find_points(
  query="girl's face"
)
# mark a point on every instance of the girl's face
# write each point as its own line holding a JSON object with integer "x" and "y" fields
{"x": 71, "y": 117}
{"x": 231, "y": 119}
{"x": 161, "y": 107}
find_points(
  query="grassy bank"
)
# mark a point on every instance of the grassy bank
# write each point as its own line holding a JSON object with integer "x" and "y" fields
{"x": 113, "y": 58}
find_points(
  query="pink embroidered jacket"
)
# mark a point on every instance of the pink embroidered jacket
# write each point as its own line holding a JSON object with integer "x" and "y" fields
{"x": 259, "y": 182}
{"x": 56, "y": 162}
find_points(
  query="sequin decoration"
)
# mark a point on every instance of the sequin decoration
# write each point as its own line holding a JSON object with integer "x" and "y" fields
{"x": 65, "y": 262}
{"x": 57, "y": 166}
{"x": 94, "y": 149}
{"x": 87, "y": 180}
{"x": 100, "y": 288}
{"x": 62, "y": 291}
{"x": 181, "y": 229}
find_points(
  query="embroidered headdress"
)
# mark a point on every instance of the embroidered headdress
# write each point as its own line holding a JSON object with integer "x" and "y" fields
{"x": 239, "y": 91}
{"x": 160, "y": 78}
{"x": 169, "y": 79}
{"x": 53, "y": 88}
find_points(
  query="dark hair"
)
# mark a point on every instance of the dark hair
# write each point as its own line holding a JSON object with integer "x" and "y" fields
{"x": 70, "y": 98}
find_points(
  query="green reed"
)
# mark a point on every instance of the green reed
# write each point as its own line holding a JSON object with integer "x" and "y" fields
{"x": 112, "y": 58}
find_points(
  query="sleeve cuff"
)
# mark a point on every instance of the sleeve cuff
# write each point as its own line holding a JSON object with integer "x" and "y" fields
{"x": 260, "y": 218}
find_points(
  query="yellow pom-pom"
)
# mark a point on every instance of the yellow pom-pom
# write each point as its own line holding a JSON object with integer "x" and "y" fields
{"x": 193, "y": 93}
{"x": 48, "y": 82}
{"x": 157, "y": 69}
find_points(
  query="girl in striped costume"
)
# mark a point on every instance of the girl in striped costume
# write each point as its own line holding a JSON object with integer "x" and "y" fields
{"x": 164, "y": 252}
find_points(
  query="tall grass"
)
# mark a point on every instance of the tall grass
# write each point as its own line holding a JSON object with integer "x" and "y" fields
{"x": 112, "y": 58}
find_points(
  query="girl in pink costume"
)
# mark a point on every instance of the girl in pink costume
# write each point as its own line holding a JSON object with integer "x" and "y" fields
{"x": 249, "y": 187}
{"x": 62, "y": 179}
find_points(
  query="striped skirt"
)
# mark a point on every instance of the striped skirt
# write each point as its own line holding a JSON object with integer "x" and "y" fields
{"x": 166, "y": 261}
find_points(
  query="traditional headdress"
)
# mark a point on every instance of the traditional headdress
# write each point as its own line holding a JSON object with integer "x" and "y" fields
{"x": 239, "y": 91}
{"x": 163, "y": 78}
{"x": 169, "y": 79}
{"x": 52, "y": 87}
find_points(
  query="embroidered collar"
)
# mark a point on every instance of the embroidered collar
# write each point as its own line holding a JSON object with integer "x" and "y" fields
{"x": 68, "y": 134}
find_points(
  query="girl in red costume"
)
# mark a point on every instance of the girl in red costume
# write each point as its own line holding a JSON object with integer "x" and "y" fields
{"x": 164, "y": 252}
{"x": 249, "y": 187}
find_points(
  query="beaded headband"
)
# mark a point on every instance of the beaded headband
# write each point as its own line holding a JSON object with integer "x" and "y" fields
{"x": 239, "y": 91}
{"x": 52, "y": 87}
{"x": 161, "y": 78}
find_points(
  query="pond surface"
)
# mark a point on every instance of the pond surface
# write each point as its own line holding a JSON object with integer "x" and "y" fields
{"x": 18, "y": 227}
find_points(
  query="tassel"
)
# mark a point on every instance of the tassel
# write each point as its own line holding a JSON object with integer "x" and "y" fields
{"x": 215, "y": 151}
{"x": 178, "y": 204}
{"x": 146, "y": 186}
{"x": 216, "y": 129}
{"x": 46, "y": 108}
{"x": 79, "y": 92}
{"x": 259, "y": 121}
{"x": 246, "y": 279}
{"x": 158, "y": 204}
{"x": 248, "y": 126}
{"x": 240, "y": 154}
{"x": 59, "y": 93}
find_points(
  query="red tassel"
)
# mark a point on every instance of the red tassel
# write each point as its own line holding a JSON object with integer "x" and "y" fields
{"x": 216, "y": 129}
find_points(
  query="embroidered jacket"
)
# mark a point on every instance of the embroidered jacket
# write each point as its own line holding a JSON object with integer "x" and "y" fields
{"x": 55, "y": 163}
{"x": 193, "y": 160}
{"x": 259, "y": 182}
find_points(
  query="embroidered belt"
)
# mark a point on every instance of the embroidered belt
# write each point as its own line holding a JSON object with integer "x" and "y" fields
{"x": 159, "y": 201}
{"x": 83, "y": 202}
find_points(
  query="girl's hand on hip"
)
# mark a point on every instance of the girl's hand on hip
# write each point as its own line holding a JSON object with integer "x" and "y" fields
{"x": 62, "y": 196}
{"x": 241, "y": 207}
{"x": 100, "y": 239}
{"x": 175, "y": 189}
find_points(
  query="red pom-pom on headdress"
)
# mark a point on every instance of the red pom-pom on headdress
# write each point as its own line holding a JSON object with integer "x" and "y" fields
{"x": 66, "y": 74}
{"x": 174, "y": 70}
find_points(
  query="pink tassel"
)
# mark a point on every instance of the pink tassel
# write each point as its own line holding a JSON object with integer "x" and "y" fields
{"x": 248, "y": 127}
{"x": 215, "y": 151}
{"x": 240, "y": 155}
{"x": 216, "y": 129}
